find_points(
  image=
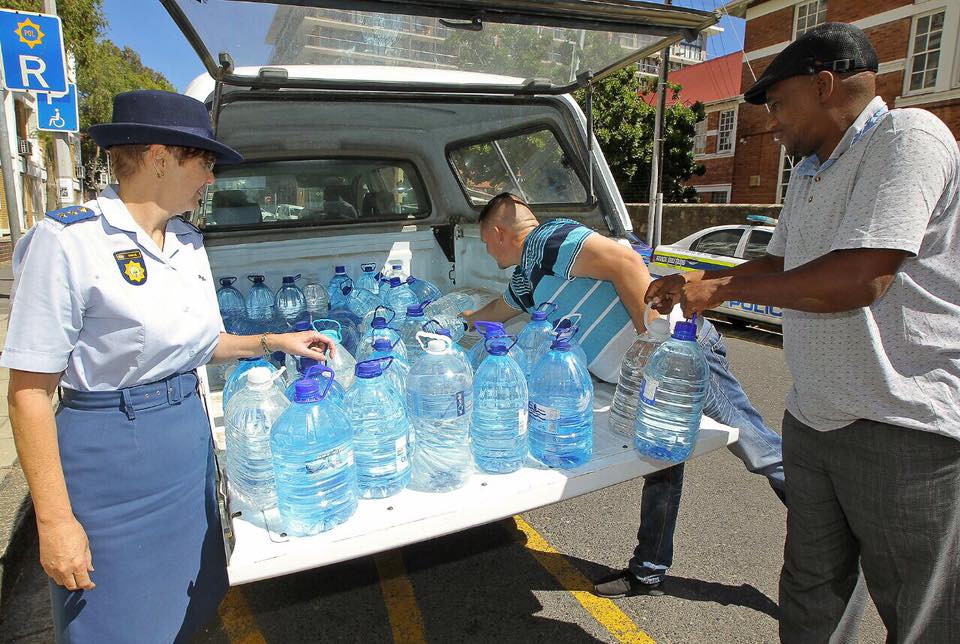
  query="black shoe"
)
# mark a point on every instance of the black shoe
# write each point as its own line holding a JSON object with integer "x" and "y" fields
{"x": 624, "y": 584}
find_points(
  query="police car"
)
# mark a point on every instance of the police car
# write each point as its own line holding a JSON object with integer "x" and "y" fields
{"x": 722, "y": 247}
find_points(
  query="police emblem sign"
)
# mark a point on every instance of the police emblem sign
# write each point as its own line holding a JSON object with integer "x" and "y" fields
{"x": 31, "y": 47}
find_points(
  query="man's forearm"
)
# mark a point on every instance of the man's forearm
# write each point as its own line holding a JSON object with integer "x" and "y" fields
{"x": 760, "y": 266}
{"x": 631, "y": 288}
{"x": 497, "y": 310}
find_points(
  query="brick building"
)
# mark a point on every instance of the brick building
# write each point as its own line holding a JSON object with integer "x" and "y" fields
{"x": 917, "y": 47}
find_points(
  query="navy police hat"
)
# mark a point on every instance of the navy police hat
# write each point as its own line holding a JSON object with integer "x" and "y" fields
{"x": 832, "y": 46}
{"x": 150, "y": 117}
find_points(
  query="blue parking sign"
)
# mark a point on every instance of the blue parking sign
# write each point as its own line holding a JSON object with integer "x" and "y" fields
{"x": 31, "y": 45}
{"x": 58, "y": 112}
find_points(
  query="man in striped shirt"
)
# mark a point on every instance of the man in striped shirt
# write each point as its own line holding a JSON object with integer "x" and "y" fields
{"x": 564, "y": 262}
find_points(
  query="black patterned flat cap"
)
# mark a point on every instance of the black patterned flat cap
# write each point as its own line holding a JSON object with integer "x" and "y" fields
{"x": 832, "y": 46}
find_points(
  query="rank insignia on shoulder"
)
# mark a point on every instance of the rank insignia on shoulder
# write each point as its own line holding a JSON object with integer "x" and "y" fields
{"x": 132, "y": 267}
{"x": 72, "y": 214}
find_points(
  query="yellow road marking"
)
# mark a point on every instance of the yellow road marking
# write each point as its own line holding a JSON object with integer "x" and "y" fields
{"x": 603, "y": 610}
{"x": 238, "y": 620}
{"x": 405, "y": 619}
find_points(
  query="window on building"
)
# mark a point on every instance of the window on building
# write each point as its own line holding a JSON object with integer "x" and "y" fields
{"x": 726, "y": 131}
{"x": 718, "y": 196}
{"x": 810, "y": 14}
{"x": 786, "y": 168}
{"x": 927, "y": 36}
{"x": 700, "y": 137}
{"x": 720, "y": 242}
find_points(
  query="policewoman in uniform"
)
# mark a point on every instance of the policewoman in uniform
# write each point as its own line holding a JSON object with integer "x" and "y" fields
{"x": 114, "y": 303}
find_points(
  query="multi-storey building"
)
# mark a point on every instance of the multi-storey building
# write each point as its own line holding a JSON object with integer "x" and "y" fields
{"x": 917, "y": 47}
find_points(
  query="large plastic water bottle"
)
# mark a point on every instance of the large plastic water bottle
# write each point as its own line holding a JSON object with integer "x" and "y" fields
{"x": 451, "y": 304}
{"x": 380, "y": 329}
{"x": 260, "y": 311}
{"x": 411, "y": 325}
{"x": 626, "y": 398}
{"x": 313, "y": 460}
{"x": 381, "y": 432}
{"x": 316, "y": 299}
{"x": 672, "y": 394}
{"x": 360, "y": 301}
{"x": 489, "y": 330}
{"x": 498, "y": 427}
{"x": 236, "y": 379}
{"x": 289, "y": 301}
{"x": 398, "y": 368}
{"x": 348, "y": 328}
{"x": 439, "y": 404}
{"x": 342, "y": 362}
{"x": 248, "y": 419}
{"x": 369, "y": 278}
{"x": 233, "y": 308}
{"x": 335, "y": 287}
{"x": 561, "y": 408}
{"x": 424, "y": 289}
{"x": 398, "y": 297}
{"x": 569, "y": 326}
{"x": 537, "y": 336}
{"x": 433, "y": 326}
{"x": 310, "y": 368}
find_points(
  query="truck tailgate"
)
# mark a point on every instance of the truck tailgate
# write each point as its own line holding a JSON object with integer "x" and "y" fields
{"x": 255, "y": 553}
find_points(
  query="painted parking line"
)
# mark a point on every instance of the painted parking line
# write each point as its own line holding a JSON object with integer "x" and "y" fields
{"x": 406, "y": 622}
{"x": 238, "y": 620}
{"x": 603, "y": 610}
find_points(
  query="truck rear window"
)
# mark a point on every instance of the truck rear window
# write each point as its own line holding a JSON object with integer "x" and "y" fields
{"x": 314, "y": 192}
{"x": 532, "y": 165}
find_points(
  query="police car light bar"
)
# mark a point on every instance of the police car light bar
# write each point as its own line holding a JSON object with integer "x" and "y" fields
{"x": 762, "y": 219}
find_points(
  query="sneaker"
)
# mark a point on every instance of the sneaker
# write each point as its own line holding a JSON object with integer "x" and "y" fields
{"x": 624, "y": 584}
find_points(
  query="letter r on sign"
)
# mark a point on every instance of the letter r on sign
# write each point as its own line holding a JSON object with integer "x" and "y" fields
{"x": 33, "y": 66}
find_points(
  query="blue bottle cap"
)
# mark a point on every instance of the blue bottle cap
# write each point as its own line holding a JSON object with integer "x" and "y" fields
{"x": 411, "y": 279}
{"x": 498, "y": 348}
{"x": 541, "y": 312}
{"x": 489, "y": 329}
{"x": 378, "y": 323}
{"x": 368, "y": 369}
{"x": 340, "y": 270}
{"x": 382, "y": 344}
{"x": 395, "y": 282}
{"x": 306, "y": 390}
{"x": 256, "y": 279}
{"x": 397, "y": 266}
{"x": 227, "y": 281}
{"x": 415, "y": 311}
{"x": 368, "y": 268}
{"x": 685, "y": 331}
{"x": 290, "y": 279}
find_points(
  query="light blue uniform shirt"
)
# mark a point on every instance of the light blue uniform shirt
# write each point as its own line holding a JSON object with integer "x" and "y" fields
{"x": 544, "y": 275}
{"x": 100, "y": 302}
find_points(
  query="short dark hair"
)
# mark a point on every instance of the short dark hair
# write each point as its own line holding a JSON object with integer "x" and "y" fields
{"x": 500, "y": 200}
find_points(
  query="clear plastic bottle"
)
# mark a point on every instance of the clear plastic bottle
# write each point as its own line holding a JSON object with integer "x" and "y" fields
{"x": 433, "y": 326}
{"x": 439, "y": 404}
{"x": 411, "y": 325}
{"x": 335, "y": 287}
{"x": 398, "y": 297}
{"x": 342, "y": 362}
{"x": 236, "y": 379}
{"x": 248, "y": 419}
{"x": 369, "y": 278}
{"x": 360, "y": 301}
{"x": 381, "y": 431}
{"x": 233, "y": 308}
{"x": 451, "y": 304}
{"x": 489, "y": 330}
{"x": 313, "y": 460}
{"x": 537, "y": 336}
{"x": 289, "y": 301}
{"x": 316, "y": 300}
{"x": 310, "y": 368}
{"x": 397, "y": 370}
{"x": 672, "y": 394}
{"x": 423, "y": 289}
{"x": 380, "y": 329}
{"x": 260, "y": 311}
{"x": 561, "y": 408}
{"x": 348, "y": 328}
{"x": 498, "y": 426}
{"x": 626, "y": 398}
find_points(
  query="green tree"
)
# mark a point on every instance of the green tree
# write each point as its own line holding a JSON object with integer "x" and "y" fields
{"x": 624, "y": 124}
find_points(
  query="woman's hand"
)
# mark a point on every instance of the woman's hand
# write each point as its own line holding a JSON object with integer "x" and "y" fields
{"x": 65, "y": 553}
{"x": 309, "y": 344}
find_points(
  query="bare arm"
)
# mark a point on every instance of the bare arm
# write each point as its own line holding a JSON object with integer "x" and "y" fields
{"x": 496, "y": 310}
{"x": 64, "y": 550}
{"x": 664, "y": 292}
{"x": 604, "y": 259}
{"x": 309, "y": 344}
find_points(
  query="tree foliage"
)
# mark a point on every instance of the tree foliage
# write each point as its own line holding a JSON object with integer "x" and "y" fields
{"x": 624, "y": 126}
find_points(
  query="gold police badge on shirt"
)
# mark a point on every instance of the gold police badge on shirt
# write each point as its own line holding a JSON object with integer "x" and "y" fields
{"x": 132, "y": 267}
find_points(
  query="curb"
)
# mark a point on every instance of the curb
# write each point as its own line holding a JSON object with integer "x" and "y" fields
{"x": 16, "y": 513}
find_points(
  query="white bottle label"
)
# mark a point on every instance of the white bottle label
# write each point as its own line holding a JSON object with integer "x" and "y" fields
{"x": 648, "y": 390}
{"x": 543, "y": 413}
{"x": 522, "y": 416}
{"x": 401, "y": 450}
{"x": 461, "y": 404}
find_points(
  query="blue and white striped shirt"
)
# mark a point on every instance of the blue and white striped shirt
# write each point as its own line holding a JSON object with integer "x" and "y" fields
{"x": 543, "y": 275}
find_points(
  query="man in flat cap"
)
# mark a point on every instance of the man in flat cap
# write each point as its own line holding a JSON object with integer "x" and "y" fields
{"x": 865, "y": 261}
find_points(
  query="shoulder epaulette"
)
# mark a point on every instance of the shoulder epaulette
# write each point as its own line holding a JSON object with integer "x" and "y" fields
{"x": 72, "y": 214}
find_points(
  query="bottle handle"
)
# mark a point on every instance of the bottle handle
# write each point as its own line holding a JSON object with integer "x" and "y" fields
{"x": 346, "y": 287}
{"x": 423, "y": 335}
{"x": 371, "y": 267}
{"x": 327, "y": 373}
{"x": 548, "y": 308}
{"x": 227, "y": 281}
{"x": 573, "y": 320}
{"x": 253, "y": 278}
{"x": 339, "y": 329}
{"x": 393, "y": 313}
{"x": 484, "y": 328}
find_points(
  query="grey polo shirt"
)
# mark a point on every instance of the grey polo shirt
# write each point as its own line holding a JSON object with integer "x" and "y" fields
{"x": 891, "y": 183}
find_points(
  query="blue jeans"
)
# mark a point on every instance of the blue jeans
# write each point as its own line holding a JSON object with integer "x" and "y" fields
{"x": 759, "y": 448}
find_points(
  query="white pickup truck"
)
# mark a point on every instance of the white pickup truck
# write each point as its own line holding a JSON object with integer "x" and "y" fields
{"x": 374, "y": 131}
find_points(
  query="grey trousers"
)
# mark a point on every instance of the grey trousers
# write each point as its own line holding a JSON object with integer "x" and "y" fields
{"x": 883, "y": 494}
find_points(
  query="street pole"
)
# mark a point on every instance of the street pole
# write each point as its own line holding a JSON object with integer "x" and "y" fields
{"x": 10, "y": 161}
{"x": 65, "y": 193}
{"x": 655, "y": 205}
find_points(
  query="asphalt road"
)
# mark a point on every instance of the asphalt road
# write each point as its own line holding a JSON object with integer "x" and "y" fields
{"x": 523, "y": 579}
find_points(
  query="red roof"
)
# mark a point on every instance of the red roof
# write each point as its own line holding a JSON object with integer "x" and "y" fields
{"x": 714, "y": 80}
